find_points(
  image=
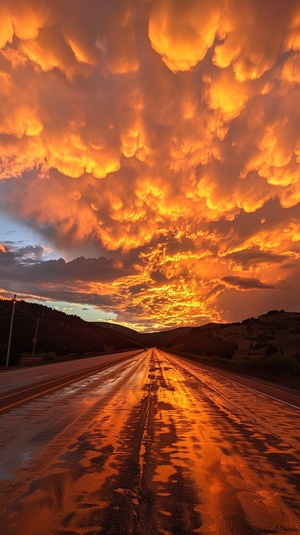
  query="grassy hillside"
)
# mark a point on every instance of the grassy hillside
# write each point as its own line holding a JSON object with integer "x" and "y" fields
{"x": 267, "y": 346}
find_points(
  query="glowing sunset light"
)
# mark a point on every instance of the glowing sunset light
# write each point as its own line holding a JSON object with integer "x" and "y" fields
{"x": 150, "y": 158}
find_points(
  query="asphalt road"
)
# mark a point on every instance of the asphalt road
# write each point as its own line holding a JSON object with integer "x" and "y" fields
{"x": 151, "y": 445}
{"x": 24, "y": 384}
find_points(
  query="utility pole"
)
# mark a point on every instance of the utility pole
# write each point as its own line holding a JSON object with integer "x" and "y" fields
{"x": 14, "y": 300}
{"x": 35, "y": 338}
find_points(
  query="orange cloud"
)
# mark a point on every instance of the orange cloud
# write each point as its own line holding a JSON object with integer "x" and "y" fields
{"x": 226, "y": 95}
{"x": 6, "y": 26}
{"x": 250, "y": 44}
{"x": 183, "y": 33}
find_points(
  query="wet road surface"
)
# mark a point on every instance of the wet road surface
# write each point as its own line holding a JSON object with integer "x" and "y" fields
{"x": 18, "y": 386}
{"x": 153, "y": 445}
{"x": 20, "y": 378}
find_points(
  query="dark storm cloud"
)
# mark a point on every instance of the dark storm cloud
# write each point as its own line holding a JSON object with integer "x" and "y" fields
{"x": 92, "y": 269}
{"x": 255, "y": 255}
{"x": 247, "y": 283}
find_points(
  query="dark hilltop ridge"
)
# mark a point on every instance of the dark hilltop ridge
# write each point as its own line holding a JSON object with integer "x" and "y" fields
{"x": 267, "y": 346}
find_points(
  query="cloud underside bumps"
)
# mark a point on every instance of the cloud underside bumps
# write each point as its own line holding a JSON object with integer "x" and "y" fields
{"x": 167, "y": 134}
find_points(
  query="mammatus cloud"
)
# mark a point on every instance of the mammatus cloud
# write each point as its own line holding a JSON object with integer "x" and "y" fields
{"x": 166, "y": 133}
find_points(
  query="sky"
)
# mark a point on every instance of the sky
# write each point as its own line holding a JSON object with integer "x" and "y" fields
{"x": 149, "y": 158}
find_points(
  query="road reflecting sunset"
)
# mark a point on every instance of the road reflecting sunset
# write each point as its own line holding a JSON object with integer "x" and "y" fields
{"x": 162, "y": 446}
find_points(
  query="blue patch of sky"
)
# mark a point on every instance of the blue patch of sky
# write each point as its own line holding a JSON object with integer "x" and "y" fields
{"x": 17, "y": 234}
{"x": 86, "y": 312}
